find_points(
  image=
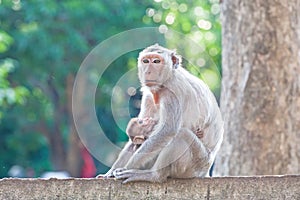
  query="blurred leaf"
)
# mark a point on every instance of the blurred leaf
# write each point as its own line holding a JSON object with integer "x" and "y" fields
{"x": 5, "y": 41}
{"x": 199, "y": 21}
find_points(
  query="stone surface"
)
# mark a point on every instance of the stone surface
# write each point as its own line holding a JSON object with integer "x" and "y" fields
{"x": 259, "y": 187}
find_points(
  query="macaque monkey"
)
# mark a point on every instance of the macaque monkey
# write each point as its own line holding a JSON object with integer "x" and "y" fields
{"x": 138, "y": 130}
{"x": 189, "y": 129}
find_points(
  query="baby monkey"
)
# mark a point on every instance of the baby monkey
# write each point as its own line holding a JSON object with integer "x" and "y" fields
{"x": 138, "y": 130}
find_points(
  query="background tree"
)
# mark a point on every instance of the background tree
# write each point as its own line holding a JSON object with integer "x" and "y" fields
{"x": 261, "y": 88}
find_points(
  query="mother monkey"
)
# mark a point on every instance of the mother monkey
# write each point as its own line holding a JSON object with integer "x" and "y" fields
{"x": 189, "y": 131}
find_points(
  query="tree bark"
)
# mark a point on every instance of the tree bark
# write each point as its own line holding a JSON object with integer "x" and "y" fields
{"x": 58, "y": 152}
{"x": 74, "y": 157}
{"x": 260, "y": 98}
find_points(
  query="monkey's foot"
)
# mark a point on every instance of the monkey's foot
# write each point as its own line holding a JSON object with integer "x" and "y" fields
{"x": 109, "y": 174}
{"x": 103, "y": 176}
{"x": 131, "y": 175}
{"x": 122, "y": 173}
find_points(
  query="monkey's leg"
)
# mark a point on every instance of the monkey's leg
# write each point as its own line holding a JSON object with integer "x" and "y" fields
{"x": 161, "y": 169}
{"x": 121, "y": 161}
{"x": 184, "y": 157}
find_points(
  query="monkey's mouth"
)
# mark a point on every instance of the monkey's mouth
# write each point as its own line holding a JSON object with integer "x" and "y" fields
{"x": 150, "y": 83}
{"x": 138, "y": 140}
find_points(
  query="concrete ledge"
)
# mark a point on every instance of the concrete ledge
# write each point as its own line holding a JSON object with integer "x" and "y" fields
{"x": 258, "y": 187}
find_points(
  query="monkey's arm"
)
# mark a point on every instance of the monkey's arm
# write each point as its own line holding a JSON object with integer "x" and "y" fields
{"x": 122, "y": 159}
{"x": 148, "y": 103}
{"x": 169, "y": 124}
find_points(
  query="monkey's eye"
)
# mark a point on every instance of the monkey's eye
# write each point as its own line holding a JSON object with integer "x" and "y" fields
{"x": 145, "y": 61}
{"x": 140, "y": 121}
{"x": 156, "y": 61}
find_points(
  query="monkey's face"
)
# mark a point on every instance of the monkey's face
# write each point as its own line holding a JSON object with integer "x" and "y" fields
{"x": 152, "y": 68}
{"x": 155, "y": 65}
{"x": 140, "y": 127}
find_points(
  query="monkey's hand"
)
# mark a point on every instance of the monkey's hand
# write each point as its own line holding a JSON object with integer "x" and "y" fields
{"x": 108, "y": 174}
{"x": 148, "y": 121}
{"x": 119, "y": 173}
{"x": 131, "y": 175}
{"x": 138, "y": 140}
{"x": 127, "y": 174}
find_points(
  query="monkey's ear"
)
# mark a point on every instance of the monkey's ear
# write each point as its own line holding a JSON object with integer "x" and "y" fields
{"x": 176, "y": 60}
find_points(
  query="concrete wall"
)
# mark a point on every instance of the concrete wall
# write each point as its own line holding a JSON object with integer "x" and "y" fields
{"x": 265, "y": 187}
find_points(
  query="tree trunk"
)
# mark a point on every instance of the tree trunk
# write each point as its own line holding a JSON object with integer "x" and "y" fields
{"x": 57, "y": 150}
{"x": 74, "y": 157}
{"x": 58, "y": 153}
{"x": 260, "y": 98}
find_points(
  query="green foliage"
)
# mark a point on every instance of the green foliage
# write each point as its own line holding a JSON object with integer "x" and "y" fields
{"x": 5, "y": 41}
{"x": 199, "y": 21}
{"x": 42, "y": 43}
{"x": 10, "y": 95}
{"x": 48, "y": 40}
